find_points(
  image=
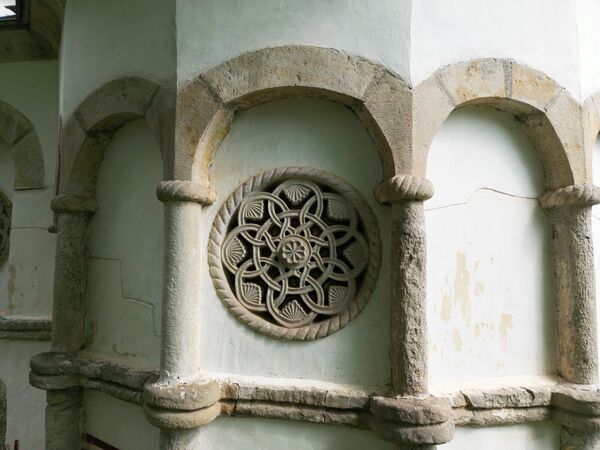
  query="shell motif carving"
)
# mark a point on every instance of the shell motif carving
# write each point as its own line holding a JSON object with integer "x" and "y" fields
{"x": 5, "y": 218}
{"x": 294, "y": 253}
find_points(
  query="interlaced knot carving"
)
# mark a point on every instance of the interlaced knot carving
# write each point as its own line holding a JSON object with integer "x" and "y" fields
{"x": 5, "y": 218}
{"x": 296, "y": 252}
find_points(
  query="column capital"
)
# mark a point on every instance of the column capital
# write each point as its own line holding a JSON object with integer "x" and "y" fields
{"x": 184, "y": 191}
{"x": 74, "y": 204}
{"x": 574, "y": 195}
{"x": 401, "y": 188}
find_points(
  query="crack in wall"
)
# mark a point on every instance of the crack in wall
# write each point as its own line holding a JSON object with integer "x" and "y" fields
{"x": 475, "y": 192}
{"x": 124, "y": 296}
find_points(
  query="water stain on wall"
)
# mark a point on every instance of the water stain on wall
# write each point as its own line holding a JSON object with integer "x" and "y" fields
{"x": 506, "y": 324}
{"x": 461, "y": 284}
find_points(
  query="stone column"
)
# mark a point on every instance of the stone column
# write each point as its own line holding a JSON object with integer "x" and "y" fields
{"x": 180, "y": 400}
{"x": 411, "y": 418}
{"x": 569, "y": 210}
{"x": 408, "y": 315}
{"x": 63, "y": 407}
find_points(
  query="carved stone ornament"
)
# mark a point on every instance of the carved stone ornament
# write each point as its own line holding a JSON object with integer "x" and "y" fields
{"x": 5, "y": 215}
{"x": 294, "y": 253}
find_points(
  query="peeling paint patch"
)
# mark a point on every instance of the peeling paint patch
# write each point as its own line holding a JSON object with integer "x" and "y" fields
{"x": 446, "y": 307}
{"x": 461, "y": 284}
{"x": 458, "y": 342}
{"x": 506, "y": 323}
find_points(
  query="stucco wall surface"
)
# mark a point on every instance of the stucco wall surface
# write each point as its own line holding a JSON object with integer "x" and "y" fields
{"x": 490, "y": 282}
{"x": 299, "y": 132}
{"x": 125, "y": 244}
{"x": 378, "y": 33}
{"x": 540, "y": 33}
{"x": 137, "y": 38}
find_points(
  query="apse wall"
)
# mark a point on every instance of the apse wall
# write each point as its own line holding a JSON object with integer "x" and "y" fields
{"x": 126, "y": 247}
{"x": 380, "y": 34}
{"x": 88, "y": 62}
{"x": 489, "y": 274}
{"x": 26, "y": 279}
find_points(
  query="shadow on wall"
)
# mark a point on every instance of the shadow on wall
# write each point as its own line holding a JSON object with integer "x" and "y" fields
{"x": 489, "y": 274}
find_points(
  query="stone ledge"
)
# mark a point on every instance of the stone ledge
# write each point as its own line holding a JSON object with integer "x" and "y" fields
{"x": 418, "y": 420}
{"x": 25, "y": 328}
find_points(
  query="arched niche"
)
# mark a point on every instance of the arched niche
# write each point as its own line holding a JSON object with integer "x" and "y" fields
{"x": 206, "y": 105}
{"x": 322, "y": 134}
{"x": 22, "y": 141}
{"x": 124, "y": 282}
{"x": 550, "y": 119}
{"x": 490, "y": 299}
{"x": 548, "y": 115}
{"x": 100, "y": 115}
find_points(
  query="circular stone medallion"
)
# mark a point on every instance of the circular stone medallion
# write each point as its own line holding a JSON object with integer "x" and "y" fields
{"x": 294, "y": 253}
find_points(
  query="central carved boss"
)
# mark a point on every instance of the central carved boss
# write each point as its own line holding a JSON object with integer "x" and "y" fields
{"x": 295, "y": 253}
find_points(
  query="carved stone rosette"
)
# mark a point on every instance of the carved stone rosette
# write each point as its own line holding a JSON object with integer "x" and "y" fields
{"x": 5, "y": 218}
{"x": 294, "y": 253}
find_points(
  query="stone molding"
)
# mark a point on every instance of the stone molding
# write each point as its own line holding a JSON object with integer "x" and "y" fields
{"x": 583, "y": 195}
{"x": 412, "y": 419}
{"x": 74, "y": 205}
{"x": 312, "y": 330}
{"x": 184, "y": 191}
{"x": 402, "y": 188}
{"x": 25, "y": 328}
{"x": 21, "y": 138}
{"x": 206, "y": 104}
{"x": 549, "y": 116}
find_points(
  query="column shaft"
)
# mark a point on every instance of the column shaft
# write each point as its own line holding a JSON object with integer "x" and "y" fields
{"x": 575, "y": 294}
{"x": 408, "y": 353}
{"x": 70, "y": 283}
{"x": 181, "y": 291}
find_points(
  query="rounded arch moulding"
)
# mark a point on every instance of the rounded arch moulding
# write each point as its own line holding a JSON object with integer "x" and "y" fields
{"x": 207, "y": 104}
{"x": 90, "y": 128}
{"x": 548, "y": 115}
{"x": 19, "y": 135}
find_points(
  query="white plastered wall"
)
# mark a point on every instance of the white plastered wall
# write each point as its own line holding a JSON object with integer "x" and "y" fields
{"x": 539, "y": 33}
{"x": 112, "y": 39}
{"x": 490, "y": 297}
{"x": 103, "y": 41}
{"x": 214, "y": 31}
{"x": 26, "y": 279}
{"x": 126, "y": 249}
{"x": 315, "y": 133}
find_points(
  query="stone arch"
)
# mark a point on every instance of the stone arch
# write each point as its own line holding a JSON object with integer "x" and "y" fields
{"x": 22, "y": 140}
{"x": 91, "y": 127}
{"x": 206, "y": 105}
{"x": 549, "y": 116}
{"x": 591, "y": 127}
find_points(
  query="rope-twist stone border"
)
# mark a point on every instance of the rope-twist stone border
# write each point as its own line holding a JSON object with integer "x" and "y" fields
{"x": 262, "y": 326}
